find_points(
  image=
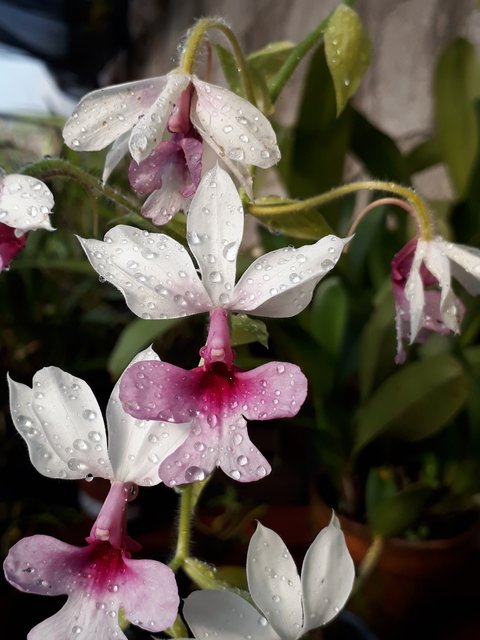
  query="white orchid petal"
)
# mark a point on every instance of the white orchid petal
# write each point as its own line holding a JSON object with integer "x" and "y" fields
{"x": 328, "y": 573}
{"x": 414, "y": 291}
{"x": 274, "y": 583}
{"x": 105, "y": 114}
{"x": 225, "y": 615}
{"x": 61, "y": 422}
{"x": 465, "y": 264}
{"x": 154, "y": 272}
{"x": 25, "y": 203}
{"x": 281, "y": 283}
{"x": 148, "y": 131}
{"x": 137, "y": 447}
{"x": 439, "y": 266}
{"x": 236, "y": 125}
{"x": 214, "y": 232}
{"x": 79, "y": 612}
{"x": 239, "y": 170}
{"x": 115, "y": 154}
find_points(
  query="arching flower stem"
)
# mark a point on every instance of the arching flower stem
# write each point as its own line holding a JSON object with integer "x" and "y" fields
{"x": 194, "y": 41}
{"x": 417, "y": 206}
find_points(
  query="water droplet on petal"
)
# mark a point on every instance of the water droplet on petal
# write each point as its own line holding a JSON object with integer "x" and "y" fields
{"x": 194, "y": 474}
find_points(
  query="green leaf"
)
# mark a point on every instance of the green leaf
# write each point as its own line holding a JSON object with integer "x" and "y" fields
{"x": 377, "y": 344}
{"x": 229, "y": 68}
{"x": 425, "y": 155}
{"x": 246, "y": 330}
{"x": 320, "y": 139}
{"x": 304, "y": 225}
{"x": 348, "y": 51}
{"x": 456, "y": 86}
{"x": 207, "y": 576}
{"x": 259, "y": 85}
{"x": 329, "y": 315}
{"x": 415, "y": 402}
{"x": 135, "y": 337}
{"x": 267, "y": 61}
{"x": 377, "y": 151}
{"x": 391, "y": 515}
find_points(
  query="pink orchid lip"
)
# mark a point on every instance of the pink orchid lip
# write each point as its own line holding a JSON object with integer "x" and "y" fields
{"x": 216, "y": 398}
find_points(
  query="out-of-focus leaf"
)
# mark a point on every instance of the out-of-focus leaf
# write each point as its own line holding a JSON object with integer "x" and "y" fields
{"x": 377, "y": 151}
{"x": 393, "y": 514}
{"x": 425, "y": 155}
{"x": 456, "y": 86}
{"x": 267, "y": 61}
{"x": 246, "y": 330}
{"x": 329, "y": 315}
{"x": 348, "y": 51}
{"x": 135, "y": 337}
{"x": 377, "y": 344}
{"x": 305, "y": 225}
{"x": 229, "y": 68}
{"x": 380, "y": 484}
{"x": 320, "y": 139}
{"x": 234, "y": 81}
{"x": 413, "y": 403}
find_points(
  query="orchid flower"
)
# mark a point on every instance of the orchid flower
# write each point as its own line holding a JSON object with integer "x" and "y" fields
{"x": 171, "y": 173}
{"x": 25, "y": 205}
{"x": 424, "y": 299}
{"x": 159, "y": 280}
{"x": 60, "y": 420}
{"x": 135, "y": 115}
{"x": 216, "y": 397}
{"x": 288, "y": 606}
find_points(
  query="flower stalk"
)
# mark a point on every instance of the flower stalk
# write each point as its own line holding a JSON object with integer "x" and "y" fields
{"x": 195, "y": 38}
{"x": 417, "y": 206}
{"x": 182, "y": 550}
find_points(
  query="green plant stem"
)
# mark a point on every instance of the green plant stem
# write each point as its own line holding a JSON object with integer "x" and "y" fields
{"x": 182, "y": 550}
{"x": 57, "y": 168}
{"x": 369, "y": 562}
{"x": 419, "y": 208}
{"x": 194, "y": 41}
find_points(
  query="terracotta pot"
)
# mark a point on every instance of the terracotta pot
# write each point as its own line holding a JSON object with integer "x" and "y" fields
{"x": 413, "y": 581}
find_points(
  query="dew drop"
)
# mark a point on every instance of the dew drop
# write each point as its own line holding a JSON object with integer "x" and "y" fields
{"x": 90, "y": 415}
{"x": 230, "y": 251}
{"x": 194, "y": 474}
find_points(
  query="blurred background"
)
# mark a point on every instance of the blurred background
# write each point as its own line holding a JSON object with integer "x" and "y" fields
{"x": 399, "y": 460}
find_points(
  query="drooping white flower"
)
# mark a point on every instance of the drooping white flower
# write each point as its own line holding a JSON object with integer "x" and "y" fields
{"x": 424, "y": 299}
{"x": 61, "y": 422}
{"x": 25, "y": 205}
{"x": 288, "y": 605}
{"x": 135, "y": 115}
{"x": 159, "y": 280}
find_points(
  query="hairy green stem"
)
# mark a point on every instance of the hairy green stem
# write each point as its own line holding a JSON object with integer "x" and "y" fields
{"x": 419, "y": 208}
{"x": 182, "y": 550}
{"x": 194, "y": 40}
{"x": 57, "y": 168}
